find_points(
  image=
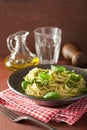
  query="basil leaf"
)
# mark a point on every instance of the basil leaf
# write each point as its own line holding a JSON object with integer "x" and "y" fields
{"x": 51, "y": 95}
{"x": 44, "y": 75}
{"x": 75, "y": 77}
{"x": 58, "y": 68}
{"x": 24, "y": 84}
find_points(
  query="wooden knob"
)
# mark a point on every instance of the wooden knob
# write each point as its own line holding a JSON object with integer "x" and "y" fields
{"x": 72, "y": 52}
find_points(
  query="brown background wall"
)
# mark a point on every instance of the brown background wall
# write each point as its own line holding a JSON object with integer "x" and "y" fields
{"x": 69, "y": 15}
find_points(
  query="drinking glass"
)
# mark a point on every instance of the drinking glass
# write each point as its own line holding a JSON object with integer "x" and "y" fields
{"x": 47, "y": 44}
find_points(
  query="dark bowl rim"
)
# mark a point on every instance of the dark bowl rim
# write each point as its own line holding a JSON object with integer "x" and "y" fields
{"x": 42, "y": 99}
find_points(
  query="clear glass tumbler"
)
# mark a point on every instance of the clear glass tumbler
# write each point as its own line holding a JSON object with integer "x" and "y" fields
{"x": 47, "y": 44}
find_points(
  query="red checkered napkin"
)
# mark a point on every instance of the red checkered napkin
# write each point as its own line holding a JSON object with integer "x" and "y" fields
{"x": 69, "y": 114}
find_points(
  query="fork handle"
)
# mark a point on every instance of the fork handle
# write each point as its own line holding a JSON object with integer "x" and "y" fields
{"x": 40, "y": 123}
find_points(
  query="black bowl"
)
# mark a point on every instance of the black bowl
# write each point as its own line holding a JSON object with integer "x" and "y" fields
{"x": 15, "y": 79}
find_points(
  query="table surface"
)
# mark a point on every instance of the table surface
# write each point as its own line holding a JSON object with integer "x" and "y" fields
{"x": 5, "y": 124}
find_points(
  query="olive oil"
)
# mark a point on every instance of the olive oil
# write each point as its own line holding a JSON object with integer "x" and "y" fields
{"x": 13, "y": 66}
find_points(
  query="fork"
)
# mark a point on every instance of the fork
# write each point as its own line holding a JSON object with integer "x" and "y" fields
{"x": 16, "y": 118}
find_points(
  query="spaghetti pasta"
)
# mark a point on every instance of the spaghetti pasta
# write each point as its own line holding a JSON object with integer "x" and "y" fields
{"x": 57, "y": 82}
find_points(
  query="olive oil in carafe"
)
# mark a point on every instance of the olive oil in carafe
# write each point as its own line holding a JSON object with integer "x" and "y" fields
{"x": 20, "y": 56}
{"x": 14, "y": 66}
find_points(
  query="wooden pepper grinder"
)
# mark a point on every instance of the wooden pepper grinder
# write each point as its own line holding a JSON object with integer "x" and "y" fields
{"x": 71, "y": 52}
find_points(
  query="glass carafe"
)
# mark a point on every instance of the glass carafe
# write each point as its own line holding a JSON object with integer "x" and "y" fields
{"x": 20, "y": 56}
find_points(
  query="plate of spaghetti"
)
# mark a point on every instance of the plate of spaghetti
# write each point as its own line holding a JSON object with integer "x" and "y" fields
{"x": 50, "y": 85}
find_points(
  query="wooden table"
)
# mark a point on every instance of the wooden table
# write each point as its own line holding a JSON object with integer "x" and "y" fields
{"x": 5, "y": 124}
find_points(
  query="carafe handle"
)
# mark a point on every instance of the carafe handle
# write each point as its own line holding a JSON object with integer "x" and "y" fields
{"x": 19, "y": 36}
{"x": 10, "y": 43}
